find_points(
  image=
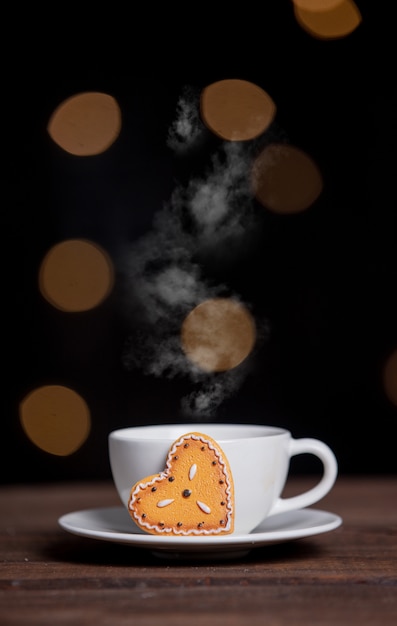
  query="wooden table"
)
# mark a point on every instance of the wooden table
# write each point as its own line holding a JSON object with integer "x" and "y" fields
{"x": 344, "y": 576}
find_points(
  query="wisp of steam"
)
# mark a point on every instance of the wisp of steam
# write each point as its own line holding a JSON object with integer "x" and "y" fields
{"x": 208, "y": 217}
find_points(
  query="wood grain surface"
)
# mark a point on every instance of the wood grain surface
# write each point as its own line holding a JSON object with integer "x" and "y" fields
{"x": 345, "y": 576}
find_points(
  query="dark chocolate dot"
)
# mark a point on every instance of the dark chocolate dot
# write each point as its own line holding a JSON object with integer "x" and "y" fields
{"x": 176, "y": 457}
{"x": 179, "y": 524}
{"x": 221, "y": 482}
{"x": 200, "y": 524}
{"x": 213, "y": 462}
{"x": 222, "y": 503}
{"x": 222, "y": 523}
{"x": 154, "y": 488}
{"x": 143, "y": 515}
{"x": 161, "y": 523}
{"x": 202, "y": 447}
{"x": 186, "y": 493}
{"x": 186, "y": 445}
{"x": 171, "y": 479}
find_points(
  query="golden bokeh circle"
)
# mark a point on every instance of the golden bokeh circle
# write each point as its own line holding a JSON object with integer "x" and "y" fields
{"x": 317, "y": 5}
{"x": 390, "y": 377}
{"x": 236, "y": 110}
{"x": 76, "y": 275}
{"x": 285, "y": 179}
{"x": 56, "y": 419}
{"x": 335, "y": 23}
{"x": 218, "y": 334}
{"x": 86, "y": 124}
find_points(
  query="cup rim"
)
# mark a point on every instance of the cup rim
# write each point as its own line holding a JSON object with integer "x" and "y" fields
{"x": 254, "y": 431}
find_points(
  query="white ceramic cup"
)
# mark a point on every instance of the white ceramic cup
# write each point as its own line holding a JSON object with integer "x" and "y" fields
{"x": 259, "y": 458}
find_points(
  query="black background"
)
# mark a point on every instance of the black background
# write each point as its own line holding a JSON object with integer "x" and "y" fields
{"x": 324, "y": 280}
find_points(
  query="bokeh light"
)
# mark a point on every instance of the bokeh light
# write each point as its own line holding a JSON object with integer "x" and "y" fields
{"x": 76, "y": 275}
{"x": 86, "y": 124}
{"x": 218, "y": 334}
{"x": 317, "y": 5}
{"x": 390, "y": 377}
{"x": 285, "y": 179}
{"x": 327, "y": 19}
{"x": 236, "y": 110}
{"x": 56, "y": 419}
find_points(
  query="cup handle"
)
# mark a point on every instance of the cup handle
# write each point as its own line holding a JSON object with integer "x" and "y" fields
{"x": 330, "y": 467}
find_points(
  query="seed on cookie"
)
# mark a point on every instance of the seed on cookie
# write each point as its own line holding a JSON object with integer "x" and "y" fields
{"x": 162, "y": 503}
{"x": 204, "y": 507}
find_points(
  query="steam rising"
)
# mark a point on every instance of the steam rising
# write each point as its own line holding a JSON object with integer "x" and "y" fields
{"x": 166, "y": 273}
{"x": 186, "y": 130}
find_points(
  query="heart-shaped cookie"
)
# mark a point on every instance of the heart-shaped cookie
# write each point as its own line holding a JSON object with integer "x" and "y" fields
{"x": 194, "y": 495}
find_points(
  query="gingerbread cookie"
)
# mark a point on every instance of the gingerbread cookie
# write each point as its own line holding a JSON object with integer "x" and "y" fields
{"x": 194, "y": 495}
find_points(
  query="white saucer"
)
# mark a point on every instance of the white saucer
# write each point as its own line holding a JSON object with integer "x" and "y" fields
{"x": 114, "y": 524}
